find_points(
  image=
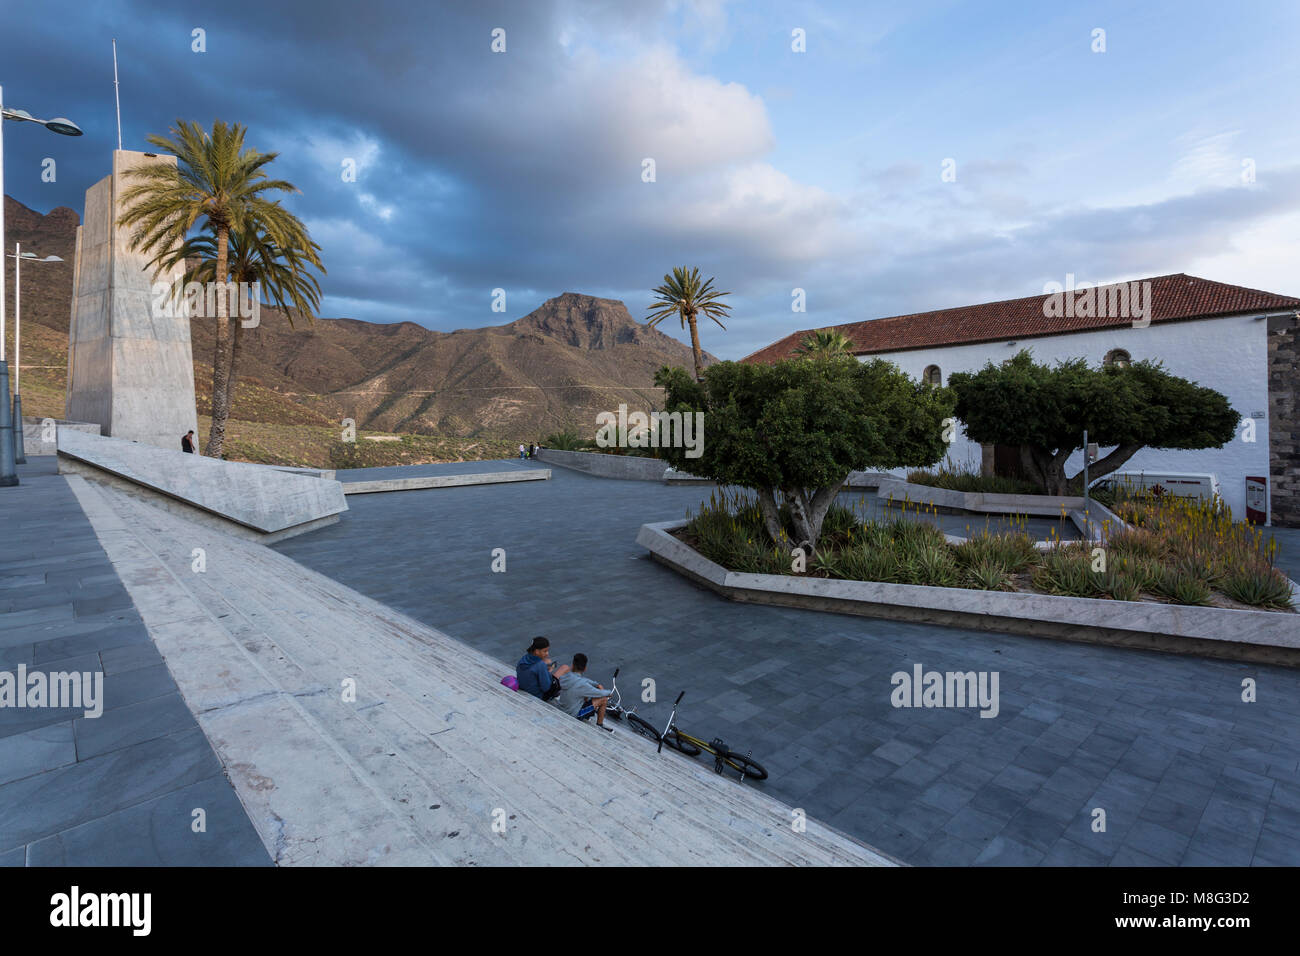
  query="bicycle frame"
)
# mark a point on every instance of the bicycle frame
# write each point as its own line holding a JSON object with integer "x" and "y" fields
{"x": 718, "y": 756}
{"x": 671, "y": 718}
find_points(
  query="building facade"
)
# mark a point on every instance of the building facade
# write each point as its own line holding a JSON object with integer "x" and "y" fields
{"x": 1241, "y": 342}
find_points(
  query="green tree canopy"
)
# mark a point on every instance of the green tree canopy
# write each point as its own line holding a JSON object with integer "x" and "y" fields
{"x": 1043, "y": 410}
{"x": 792, "y": 431}
{"x": 218, "y": 183}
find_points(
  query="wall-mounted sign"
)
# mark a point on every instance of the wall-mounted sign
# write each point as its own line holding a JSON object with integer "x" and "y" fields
{"x": 1256, "y": 500}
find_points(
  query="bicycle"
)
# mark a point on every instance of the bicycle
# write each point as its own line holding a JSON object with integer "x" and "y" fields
{"x": 638, "y": 724}
{"x": 678, "y": 739}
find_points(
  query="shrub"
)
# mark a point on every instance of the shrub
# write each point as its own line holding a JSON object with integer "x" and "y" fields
{"x": 934, "y": 566}
{"x": 839, "y": 521}
{"x": 987, "y": 575}
{"x": 1182, "y": 587}
{"x": 1067, "y": 571}
{"x": 959, "y": 477}
{"x": 1012, "y": 551}
{"x": 1136, "y": 544}
{"x": 566, "y": 441}
{"x": 1259, "y": 586}
{"x": 869, "y": 564}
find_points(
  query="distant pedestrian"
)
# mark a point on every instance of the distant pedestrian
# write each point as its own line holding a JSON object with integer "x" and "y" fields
{"x": 521, "y": 452}
{"x": 532, "y": 450}
{"x": 187, "y": 441}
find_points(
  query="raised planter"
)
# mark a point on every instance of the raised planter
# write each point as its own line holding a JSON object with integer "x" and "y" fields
{"x": 1269, "y": 637}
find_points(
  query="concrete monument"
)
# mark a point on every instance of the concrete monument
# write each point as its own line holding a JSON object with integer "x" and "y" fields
{"x": 130, "y": 365}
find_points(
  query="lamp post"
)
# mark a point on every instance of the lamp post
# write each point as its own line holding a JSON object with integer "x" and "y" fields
{"x": 8, "y": 459}
{"x": 18, "y": 256}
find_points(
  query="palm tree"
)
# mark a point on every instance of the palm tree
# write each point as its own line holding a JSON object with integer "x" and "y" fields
{"x": 684, "y": 295}
{"x": 282, "y": 278}
{"x": 825, "y": 343}
{"x": 217, "y": 180}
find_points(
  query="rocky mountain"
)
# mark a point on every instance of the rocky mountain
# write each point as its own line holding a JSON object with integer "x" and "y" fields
{"x": 555, "y": 368}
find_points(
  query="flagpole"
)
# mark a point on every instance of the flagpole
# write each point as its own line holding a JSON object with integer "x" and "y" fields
{"x": 117, "y": 97}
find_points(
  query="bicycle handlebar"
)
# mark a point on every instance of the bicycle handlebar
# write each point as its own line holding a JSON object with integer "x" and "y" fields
{"x": 679, "y": 698}
{"x": 616, "y": 671}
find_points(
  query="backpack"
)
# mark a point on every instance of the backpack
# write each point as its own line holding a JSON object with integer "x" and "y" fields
{"x": 510, "y": 681}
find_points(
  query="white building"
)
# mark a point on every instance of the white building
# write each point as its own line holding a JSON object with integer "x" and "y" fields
{"x": 1240, "y": 342}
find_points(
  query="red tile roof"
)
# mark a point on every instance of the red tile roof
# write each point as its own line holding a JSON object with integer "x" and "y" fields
{"x": 1173, "y": 298}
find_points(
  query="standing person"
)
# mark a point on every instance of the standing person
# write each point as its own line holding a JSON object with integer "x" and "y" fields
{"x": 537, "y": 673}
{"x": 521, "y": 452}
{"x": 187, "y": 441}
{"x": 531, "y": 450}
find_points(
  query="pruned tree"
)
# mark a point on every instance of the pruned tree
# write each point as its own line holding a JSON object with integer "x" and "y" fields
{"x": 1043, "y": 410}
{"x": 792, "y": 431}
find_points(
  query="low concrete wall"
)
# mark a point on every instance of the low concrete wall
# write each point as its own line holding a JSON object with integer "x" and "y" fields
{"x": 252, "y": 501}
{"x": 626, "y": 467}
{"x": 34, "y": 434}
{"x": 443, "y": 481}
{"x": 1100, "y": 516}
{"x": 1270, "y": 637}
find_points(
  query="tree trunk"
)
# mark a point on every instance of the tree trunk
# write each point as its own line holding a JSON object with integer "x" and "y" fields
{"x": 808, "y": 508}
{"x": 220, "y": 368}
{"x": 768, "y": 507}
{"x": 695, "y": 346}
{"x": 1112, "y": 462}
{"x": 236, "y": 324}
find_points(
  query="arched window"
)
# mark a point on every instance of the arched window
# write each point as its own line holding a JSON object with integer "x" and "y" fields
{"x": 1118, "y": 357}
{"x": 932, "y": 375}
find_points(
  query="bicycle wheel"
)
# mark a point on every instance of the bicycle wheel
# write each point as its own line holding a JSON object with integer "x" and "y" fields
{"x": 745, "y": 765}
{"x": 642, "y": 728}
{"x": 683, "y": 744}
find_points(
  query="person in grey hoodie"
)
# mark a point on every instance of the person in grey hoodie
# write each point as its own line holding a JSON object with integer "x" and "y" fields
{"x": 580, "y": 696}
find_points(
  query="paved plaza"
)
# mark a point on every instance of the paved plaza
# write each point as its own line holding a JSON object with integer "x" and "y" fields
{"x": 1186, "y": 772}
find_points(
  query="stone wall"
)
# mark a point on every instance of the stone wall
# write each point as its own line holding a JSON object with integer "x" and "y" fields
{"x": 626, "y": 467}
{"x": 1284, "y": 419}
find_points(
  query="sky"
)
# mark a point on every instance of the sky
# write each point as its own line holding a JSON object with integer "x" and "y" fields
{"x": 909, "y": 157}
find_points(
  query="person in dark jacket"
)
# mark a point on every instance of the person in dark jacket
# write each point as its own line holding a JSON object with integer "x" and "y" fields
{"x": 534, "y": 670}
{"x": 187, "y": 441}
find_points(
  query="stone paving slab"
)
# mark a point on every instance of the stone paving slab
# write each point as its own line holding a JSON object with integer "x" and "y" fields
{"x": 118, "y": 789}
{"x": 1150, "y": 738}
{"x": 161, "y": 832}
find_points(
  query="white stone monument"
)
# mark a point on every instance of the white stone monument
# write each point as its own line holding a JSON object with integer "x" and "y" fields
{"x": 130, "y": 365}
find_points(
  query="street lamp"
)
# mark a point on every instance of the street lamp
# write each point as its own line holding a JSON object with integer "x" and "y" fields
{"x": 19, "y": 257}
{"x": 8, "y": 440}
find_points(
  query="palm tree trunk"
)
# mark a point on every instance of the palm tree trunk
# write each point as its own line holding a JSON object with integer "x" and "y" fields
{"x": 220, "y": 368}
{"x": 695, "y": 348}
{"x": 236, "y": 323}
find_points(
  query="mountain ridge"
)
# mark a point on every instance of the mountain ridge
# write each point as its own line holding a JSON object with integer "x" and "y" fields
{"x": 552, "y": 369}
